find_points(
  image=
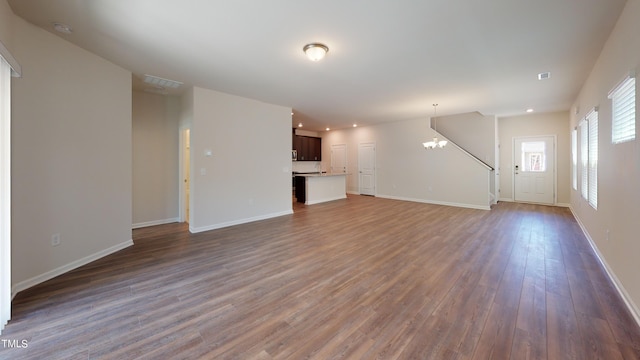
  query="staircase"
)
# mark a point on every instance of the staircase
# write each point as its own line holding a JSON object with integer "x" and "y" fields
{"x": 475, "y": 135}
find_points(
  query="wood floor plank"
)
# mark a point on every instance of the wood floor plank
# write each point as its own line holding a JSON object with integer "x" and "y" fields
{"x": 360, "y": 278}
{"x": 564, "y": 340}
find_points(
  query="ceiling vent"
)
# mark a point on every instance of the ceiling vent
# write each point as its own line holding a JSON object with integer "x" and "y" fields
{"x": 158, "y": 81}
{"x": 544, "y": 75}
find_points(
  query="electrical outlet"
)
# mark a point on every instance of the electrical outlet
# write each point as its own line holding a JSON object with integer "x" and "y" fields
{"x": 55, "y": 239}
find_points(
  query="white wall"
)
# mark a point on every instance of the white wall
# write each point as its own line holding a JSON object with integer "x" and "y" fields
{"x": 156, "y": 176}
{"x": 405, "y": 170}
{"x": 71, "y": 156}
{"x": 308, "y": 166}
{"x": 474, "y": 132}
{"x": 618, "y": 165}
{"x": 6, "y": 24}
{"x": 556, "y": 123}
{"x": 248, "y": 175}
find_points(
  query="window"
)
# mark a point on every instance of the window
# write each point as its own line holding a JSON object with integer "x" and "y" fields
{"x": 574, "y": 158}
{"x": 623, "y": 98}
{"x": 584, "y": 159}
{"x": 589, "y": 157}
{"x": 592, "y": 120}
{"x": 533, "y": 156}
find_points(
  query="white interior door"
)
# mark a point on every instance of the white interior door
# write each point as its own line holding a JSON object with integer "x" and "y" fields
{"x": 367, "y": 168}
{"x": 339, "y": 158}
{"x": 534, "y": 169}
{"x": 186, "y": 177}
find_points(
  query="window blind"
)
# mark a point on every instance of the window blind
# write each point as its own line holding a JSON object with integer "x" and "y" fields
{"x": 574, "y": 158}
{"x": 623, "y": 97}
{"x": 592, "y": 121}
{"x": 584, "y": 159}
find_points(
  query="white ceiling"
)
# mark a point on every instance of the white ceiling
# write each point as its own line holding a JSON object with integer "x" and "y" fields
{"x": 388, "y": 60}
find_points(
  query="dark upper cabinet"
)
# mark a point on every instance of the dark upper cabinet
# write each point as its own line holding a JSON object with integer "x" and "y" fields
{"x": 315, "y": 149}
{"x": 297, "y": 145}
{"x": 308, "y": 148}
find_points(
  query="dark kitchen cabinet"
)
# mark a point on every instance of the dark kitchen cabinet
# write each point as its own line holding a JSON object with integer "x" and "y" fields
{"x": 315, "y": 149}
{"x": 308, "y": 148}
{"x": 301, "y": 192}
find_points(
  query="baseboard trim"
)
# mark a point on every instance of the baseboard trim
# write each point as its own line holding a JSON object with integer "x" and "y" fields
{"x": 154, "y": 223}
{"x": 238, "y": 222}
{"x": 326, "y": 200}
{"x": 556, "y": 204}
{"x": 444, "y": 203}
{"x": 23, "y": 285}
{"x": 635, "y": 312}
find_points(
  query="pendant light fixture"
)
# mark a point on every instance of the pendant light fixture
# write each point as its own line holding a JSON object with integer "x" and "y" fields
{"x": 435, "y": 142}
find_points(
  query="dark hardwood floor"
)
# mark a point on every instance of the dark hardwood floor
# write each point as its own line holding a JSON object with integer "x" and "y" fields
{"x": 361, "y": 278}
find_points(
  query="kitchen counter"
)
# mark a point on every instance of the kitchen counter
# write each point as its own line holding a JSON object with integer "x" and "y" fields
{"x": 318, "y": 174}
{"x": 314, "y": 188}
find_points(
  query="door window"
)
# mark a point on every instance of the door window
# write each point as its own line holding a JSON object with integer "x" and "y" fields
{"x": 534, "y": 156}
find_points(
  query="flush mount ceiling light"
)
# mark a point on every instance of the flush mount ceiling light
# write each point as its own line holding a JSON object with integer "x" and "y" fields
{"x": 315, "y": 51}
{"x": 158, "y": 81}
{"x": 62, "y": 28}
{"x": 435, "y": 142}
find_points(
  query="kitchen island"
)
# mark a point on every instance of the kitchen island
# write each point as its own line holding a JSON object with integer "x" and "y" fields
{"x": 316, "y": 188}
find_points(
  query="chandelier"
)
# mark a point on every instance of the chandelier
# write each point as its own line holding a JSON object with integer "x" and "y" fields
{"x": 435, "y": 143}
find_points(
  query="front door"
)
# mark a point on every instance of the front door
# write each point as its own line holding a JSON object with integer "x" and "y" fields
{"x": 534, "y": 169}
{"x": 367, "y": 168}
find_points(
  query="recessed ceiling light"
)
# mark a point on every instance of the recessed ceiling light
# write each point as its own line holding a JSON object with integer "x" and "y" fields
{"x": 315, "y": 51}
{"x": 529, "y": 110}
{"x": 355, "y": 125}
{"x": 300, "y": 125}
{"x": 62, "y": 28}
{"x": 544, "y": 75}
{"x": 328, "y": 129}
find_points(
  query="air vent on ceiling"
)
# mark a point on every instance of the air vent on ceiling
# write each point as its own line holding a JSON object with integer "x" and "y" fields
{"x": 158, "y": 81}
{"x": 544, "y": 75}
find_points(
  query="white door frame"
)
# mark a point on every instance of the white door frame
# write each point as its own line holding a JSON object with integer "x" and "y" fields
{"x": 5, "y": 193}
{"x": 555, "y": 163}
